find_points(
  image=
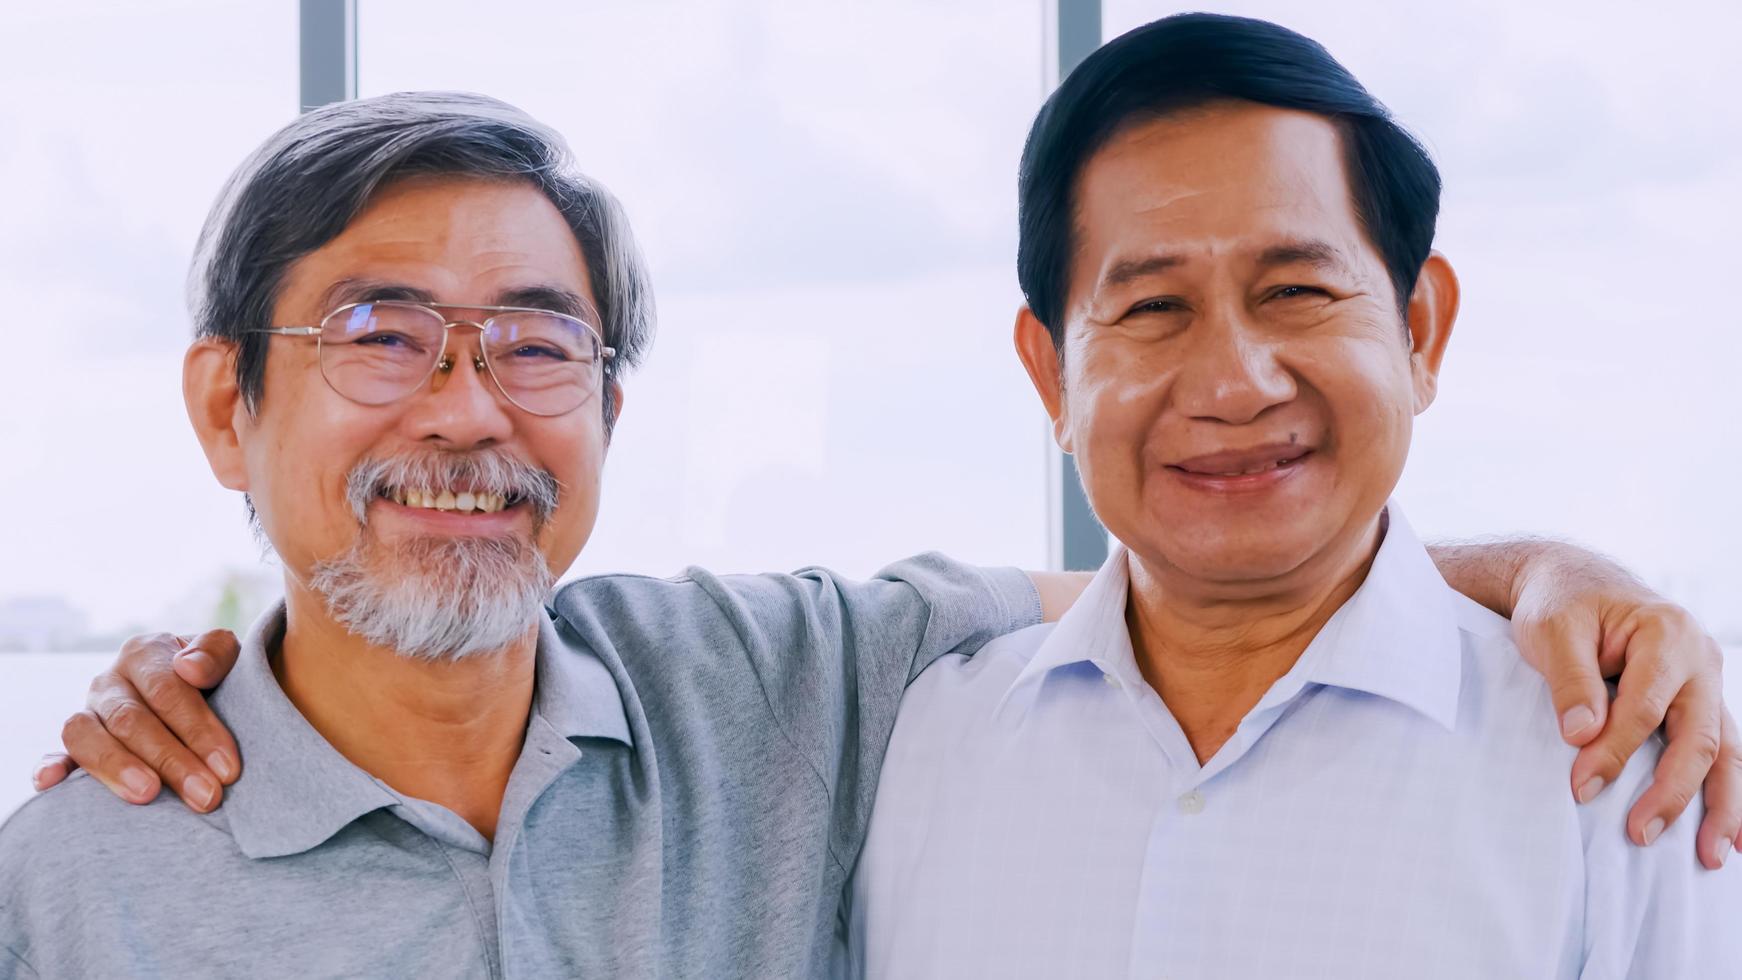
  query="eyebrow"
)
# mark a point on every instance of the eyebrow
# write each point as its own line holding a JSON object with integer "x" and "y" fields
{"x": 368, "y": 290}
{"x": 1128, "y": 271}
{"x": 1310, "y": 252}
{"x": 538, "y": 296}
{"x": 1306, "y": 251}
{"x": 554, "y": 298}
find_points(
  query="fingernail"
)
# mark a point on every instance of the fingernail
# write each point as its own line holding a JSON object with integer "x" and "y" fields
{"x": 1589, "y": 791}
{"x": 138, "y": 782}
{"x": 199, "y": 791}
{"x": 36, "y": 775}
{"x": 1576, "y": 720}
{"x": 198, "y": 659}
{"x": 1723, "y": 852}
{"x": 220, "y": 763}
{"x": 1652, "y": 829}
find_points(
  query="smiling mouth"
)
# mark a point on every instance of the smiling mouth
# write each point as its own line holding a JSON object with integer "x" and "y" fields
{"x": 1246, "y": 463}
{"x": 459, "y": 502}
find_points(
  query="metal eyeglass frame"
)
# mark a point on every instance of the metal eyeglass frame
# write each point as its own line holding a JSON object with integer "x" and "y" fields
{"x": 442, "y": 362}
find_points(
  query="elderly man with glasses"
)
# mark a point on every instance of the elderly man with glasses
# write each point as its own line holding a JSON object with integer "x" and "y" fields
{"x": 413, "y": 319}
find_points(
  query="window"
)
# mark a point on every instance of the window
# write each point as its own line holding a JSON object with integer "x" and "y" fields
{"x": 827, "y": 197}
{"x": 114, "y": 151}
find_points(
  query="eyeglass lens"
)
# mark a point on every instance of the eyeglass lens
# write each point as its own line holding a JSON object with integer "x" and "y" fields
{"x": 375, "y": 353}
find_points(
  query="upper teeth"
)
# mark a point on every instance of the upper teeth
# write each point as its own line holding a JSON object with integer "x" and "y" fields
{"x": 465, "y": 500}
{"x": 1259, "y": 468}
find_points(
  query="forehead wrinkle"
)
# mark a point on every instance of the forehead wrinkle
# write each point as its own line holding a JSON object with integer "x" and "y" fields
{"x": 1176, "y": 196}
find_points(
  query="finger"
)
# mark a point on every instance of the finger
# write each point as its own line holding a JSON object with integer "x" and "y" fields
{"x": 206, "y": 659}
{"x": 144, "y": 737}
{"x": 53, "y": 768}
{"x": 1566, "y": 651}
{"x": 1723, "y": 822}
{"x": 1692, "y": 730}
{"x": 1648, "y": 686}
{"x": 182, "y": 709}
{"x": 107, "y": 760}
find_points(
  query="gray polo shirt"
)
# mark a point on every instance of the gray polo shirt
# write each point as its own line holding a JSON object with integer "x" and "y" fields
{"x": 694, "y": 786}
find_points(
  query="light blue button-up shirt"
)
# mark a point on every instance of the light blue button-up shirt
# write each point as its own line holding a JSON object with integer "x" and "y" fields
{"x": 1397, "y": 805}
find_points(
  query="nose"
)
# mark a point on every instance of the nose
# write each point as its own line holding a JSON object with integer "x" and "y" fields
{"x": 1231, "y": 373}
{"x": 462, "y": 408}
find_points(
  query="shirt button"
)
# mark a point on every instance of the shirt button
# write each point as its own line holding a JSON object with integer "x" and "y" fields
{"x": 1191, "y": 803}
{"x": 1111, "y": 680}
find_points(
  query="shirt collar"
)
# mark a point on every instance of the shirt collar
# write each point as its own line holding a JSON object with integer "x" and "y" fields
{"x": 296, "y": 791}
{"x": 1397, "y": 637}
{"x": 1091, "y": 631}
{"x": 576, "y": 693}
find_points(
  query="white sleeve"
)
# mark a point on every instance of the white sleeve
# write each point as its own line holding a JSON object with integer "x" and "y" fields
{"x": 1655, "y": 913}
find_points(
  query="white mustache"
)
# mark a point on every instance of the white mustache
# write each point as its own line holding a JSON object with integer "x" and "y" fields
{"x": 487, "y": 471}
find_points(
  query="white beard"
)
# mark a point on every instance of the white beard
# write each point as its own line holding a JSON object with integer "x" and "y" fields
{"x": 439, "y": 598}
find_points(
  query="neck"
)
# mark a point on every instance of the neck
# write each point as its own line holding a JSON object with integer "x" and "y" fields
{"x": 1211, "y": 654}
{"x": 448, "y": 732}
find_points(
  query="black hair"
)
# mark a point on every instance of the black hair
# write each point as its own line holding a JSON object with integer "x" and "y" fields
{"x": 1189, "y": 60}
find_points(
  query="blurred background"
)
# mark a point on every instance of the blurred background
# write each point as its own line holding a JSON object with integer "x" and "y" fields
{"x": 826, "y": 194}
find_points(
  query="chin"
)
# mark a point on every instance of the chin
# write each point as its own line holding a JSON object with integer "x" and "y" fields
{"x": 1251, "y": 568}
{"x": 1230, "y": 556}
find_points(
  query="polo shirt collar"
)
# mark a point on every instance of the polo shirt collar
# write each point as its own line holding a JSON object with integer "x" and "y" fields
{"x": 1397, "y": 637}
{"x": 296, "y": 791}
{"x": 576, "y": 694}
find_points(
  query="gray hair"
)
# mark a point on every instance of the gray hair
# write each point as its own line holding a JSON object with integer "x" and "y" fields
{"x": 311, "y": 179}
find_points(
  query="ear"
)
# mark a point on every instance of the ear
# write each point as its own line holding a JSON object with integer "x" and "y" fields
{"x": 614, "y": 391}
{"x": 216, "y": 408}
{"x": 1432, "y": 309}
{"x": 1035, "y": 347}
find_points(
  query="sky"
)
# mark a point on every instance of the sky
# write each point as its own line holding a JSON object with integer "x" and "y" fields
{"x": 825, "y": 192}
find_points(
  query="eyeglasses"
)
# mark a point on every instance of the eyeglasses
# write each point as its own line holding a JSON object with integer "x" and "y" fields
{"x": 544, "y": 362}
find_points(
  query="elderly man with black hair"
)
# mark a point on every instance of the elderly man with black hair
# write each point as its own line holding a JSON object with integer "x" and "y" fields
{"x": 1268, "y": 741}
{"x": 413, "y": 324}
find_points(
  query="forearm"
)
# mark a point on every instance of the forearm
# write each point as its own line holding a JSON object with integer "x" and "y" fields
{"x": 1058, "y": 590}
{"x": 1492, "y": 572}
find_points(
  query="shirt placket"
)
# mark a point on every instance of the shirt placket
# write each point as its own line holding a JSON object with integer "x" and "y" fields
{"x": 546, "y": 756}
{"x": 1184, "y": 842}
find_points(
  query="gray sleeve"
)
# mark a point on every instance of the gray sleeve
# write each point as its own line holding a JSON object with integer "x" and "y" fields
{"x": 13, "y": 966}
{"x": 834, "y": 655}
{"x": 14, "y": 876}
